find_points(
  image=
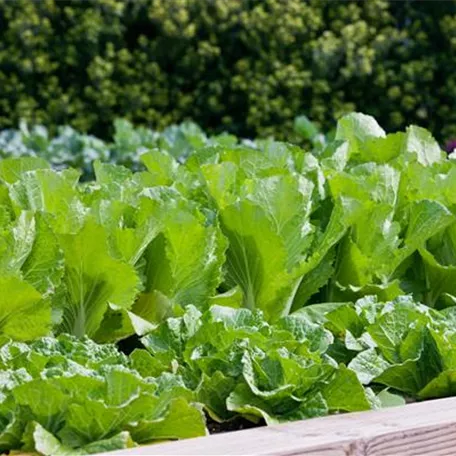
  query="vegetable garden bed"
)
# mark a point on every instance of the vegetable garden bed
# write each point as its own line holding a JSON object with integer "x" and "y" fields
{"x": 222, "y": 282}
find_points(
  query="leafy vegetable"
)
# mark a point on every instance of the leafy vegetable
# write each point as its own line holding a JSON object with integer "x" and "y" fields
{"x": 209, "y": 218}
{"x": 67, "y": 396}
{"x": 241, "y": 365}
{"x": 265, "y": 282}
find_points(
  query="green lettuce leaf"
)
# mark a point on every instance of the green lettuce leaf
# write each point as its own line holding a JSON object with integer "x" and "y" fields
{"x": 92, "y": 280}
{"x": 24, "y": 314}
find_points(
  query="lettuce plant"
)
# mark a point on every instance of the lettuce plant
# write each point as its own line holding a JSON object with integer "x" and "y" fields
{"x": 67, "y": 396}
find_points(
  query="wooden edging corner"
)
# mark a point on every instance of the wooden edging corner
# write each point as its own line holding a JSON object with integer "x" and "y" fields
{"x": 426, "y": 428}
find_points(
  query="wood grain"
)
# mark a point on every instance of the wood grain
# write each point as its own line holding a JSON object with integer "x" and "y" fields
{"x": 427, "y": 428}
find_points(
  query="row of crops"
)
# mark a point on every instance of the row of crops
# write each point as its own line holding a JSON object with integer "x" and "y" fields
{"x": 252, "y": 280}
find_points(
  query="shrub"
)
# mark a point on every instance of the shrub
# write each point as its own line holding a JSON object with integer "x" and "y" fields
{"x": 248, "y": 66}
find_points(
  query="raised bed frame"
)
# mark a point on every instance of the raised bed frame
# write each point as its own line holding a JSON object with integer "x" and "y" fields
{"x": 426, "y": 428}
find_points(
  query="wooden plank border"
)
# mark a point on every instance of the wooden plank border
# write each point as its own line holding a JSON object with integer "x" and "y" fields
{"x": 426, "y": 428}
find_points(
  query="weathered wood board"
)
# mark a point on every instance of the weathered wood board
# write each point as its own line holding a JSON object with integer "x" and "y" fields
{"x": 427, "y": 428}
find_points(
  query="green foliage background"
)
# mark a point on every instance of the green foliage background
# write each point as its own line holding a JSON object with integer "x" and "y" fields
{"x": 247, "y": 66}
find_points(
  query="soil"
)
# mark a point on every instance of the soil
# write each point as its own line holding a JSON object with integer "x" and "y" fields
{"x": 127, "y": 345}
{"x": 234, "y": 425}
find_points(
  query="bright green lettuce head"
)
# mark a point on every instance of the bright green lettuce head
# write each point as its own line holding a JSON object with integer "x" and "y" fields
{"x": 240, "y": 365}
{"x": 68, "y": 396}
